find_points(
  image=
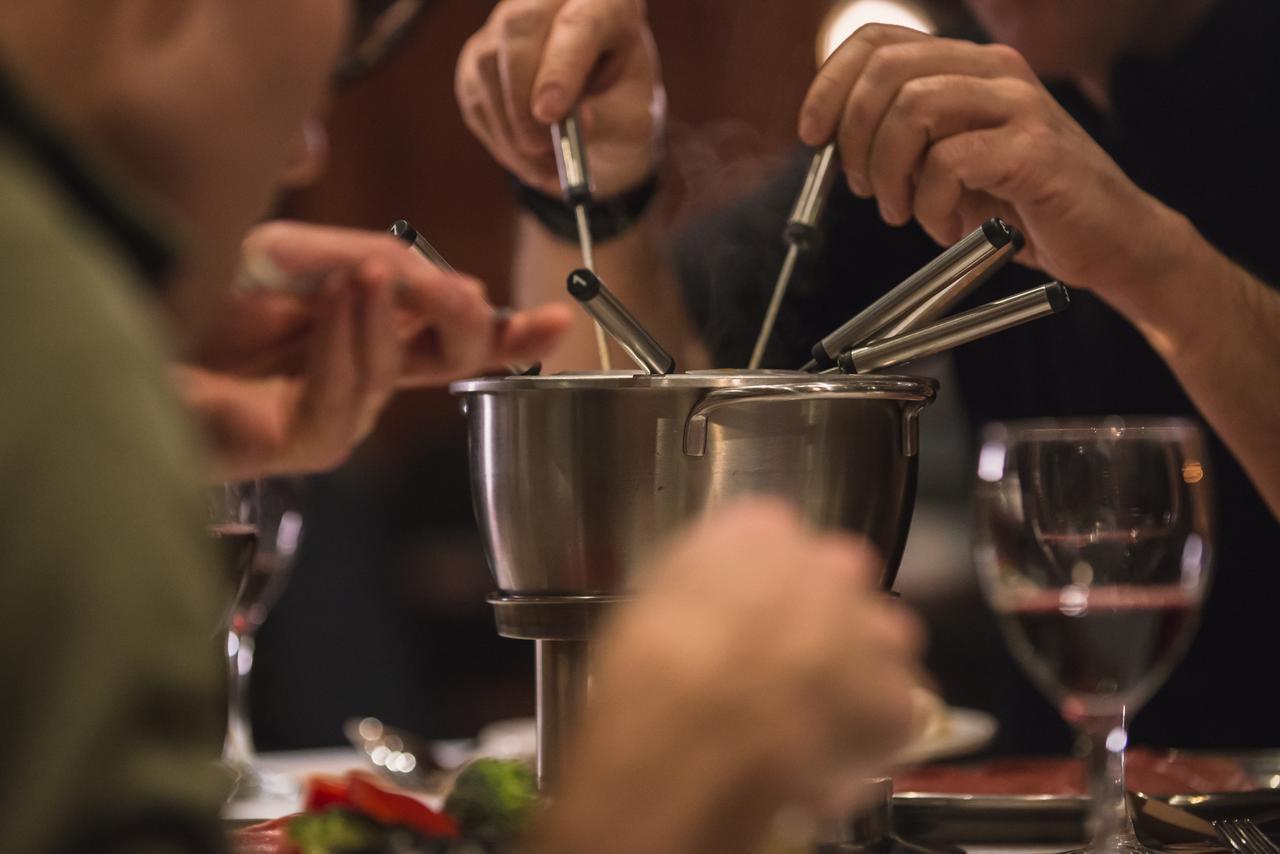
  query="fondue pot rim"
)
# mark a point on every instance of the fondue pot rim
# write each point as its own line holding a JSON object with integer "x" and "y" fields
{"x": 878, "y": 385}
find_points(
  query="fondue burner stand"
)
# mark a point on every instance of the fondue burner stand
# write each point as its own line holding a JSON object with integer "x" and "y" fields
{"x": 561, "y": 628}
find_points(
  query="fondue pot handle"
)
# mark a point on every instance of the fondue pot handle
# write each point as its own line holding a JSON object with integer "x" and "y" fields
{"x": 695, "y": 428}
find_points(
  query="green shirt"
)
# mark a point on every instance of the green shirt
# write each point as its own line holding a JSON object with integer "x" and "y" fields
{"x": 109, "y": 596}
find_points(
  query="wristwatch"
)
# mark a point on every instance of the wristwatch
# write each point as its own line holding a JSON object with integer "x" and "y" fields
{"x": 608, "y": 218}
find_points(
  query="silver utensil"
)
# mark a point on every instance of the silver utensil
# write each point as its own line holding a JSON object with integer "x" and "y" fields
{"x": 968, "y": 326}
{"x": 927, "y": 293}
{"x": 801, "y": 233}
{"x": 575, "y": 182}
{"x": 611, "y": 315}
{"x": 406, "y": 232}
{"x": 1244, "y": 836}
{"x": 410, "y": 235}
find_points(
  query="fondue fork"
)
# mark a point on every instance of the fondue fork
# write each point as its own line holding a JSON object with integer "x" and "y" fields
{"x": 801, "y": 233}
{"x": 575, "y": 182}
{"x": 927, "y": 293}
{"x": 587, "y": 288}
{"x": 401, "y": 229}
{"x": 410, "y": 235}
{"x": 963, "y": 328}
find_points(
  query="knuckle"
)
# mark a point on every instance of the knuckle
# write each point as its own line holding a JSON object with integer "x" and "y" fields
{"x": 857, "y": 115}
{"x": 583, "y": 18}
{"x": 949, "y": 157}
{"x": 474, "y": 287}
{"x": 915, "y": 97}
{"x": 1023, "y": 94}
{"x": 875, "y": 33}
{"x": 522, "y": 18}
{"x": 879, "y": 66}
{"x": 1008, "y": 58}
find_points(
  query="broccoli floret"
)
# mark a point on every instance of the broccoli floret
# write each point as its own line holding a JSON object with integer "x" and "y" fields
{"x": 335, "y": 831}
{"x": 493, "y": 799}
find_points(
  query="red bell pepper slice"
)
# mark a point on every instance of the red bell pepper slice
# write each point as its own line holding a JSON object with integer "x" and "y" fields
{"x": 370, "y": 798}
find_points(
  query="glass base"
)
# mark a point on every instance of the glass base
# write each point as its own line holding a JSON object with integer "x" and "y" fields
{"x": 1129, "y": 844}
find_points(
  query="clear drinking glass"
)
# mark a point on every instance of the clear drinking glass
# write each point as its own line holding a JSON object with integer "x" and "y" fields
{"x": 1094, "y": 546}
{"x": 268, "y": 529}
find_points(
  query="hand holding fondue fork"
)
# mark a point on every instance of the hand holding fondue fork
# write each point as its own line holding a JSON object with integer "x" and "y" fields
{"x": 325, "y": 325}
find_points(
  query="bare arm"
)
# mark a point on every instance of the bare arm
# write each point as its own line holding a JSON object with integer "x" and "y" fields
{"x": 1218, "y": 328}
{"x": 950, "y": 132}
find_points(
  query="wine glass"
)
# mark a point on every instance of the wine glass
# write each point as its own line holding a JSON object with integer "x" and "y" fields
{"x": 233, "y": 510}
{"x": 269, "y": 516}
{"x": 1094, "y": 546}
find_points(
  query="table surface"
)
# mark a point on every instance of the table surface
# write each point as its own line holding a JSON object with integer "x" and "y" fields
{"x": 297, "y": 765}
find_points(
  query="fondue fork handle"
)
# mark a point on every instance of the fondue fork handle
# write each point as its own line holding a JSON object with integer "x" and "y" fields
{"x": 410, "y": 235}
{"x": 695, "y": 427}
{"x": 606, "y": 309}
{"x": 963, "y": 328}
{"x": 927, "y": 293}
{"x": 801, "y": 234}
{"x": 575, "y": 181}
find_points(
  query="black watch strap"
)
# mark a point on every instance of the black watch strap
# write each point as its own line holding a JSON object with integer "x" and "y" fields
{"x": 609, "y": 218}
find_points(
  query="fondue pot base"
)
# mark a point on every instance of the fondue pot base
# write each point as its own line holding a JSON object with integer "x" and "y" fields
{"x": 561, "y": 628}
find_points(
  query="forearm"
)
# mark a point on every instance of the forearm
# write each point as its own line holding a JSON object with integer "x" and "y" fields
{"x": 636, "y": 268}
{"x": 1218, "y": 328}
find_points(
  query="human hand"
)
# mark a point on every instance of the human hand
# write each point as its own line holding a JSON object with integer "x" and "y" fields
{"x": 299, "y": 368}
{"x": 952, "y": 133}
{"x": 441, "y": 321}
{"x": 534, "y": 61}
{"x": 758, "y": 668}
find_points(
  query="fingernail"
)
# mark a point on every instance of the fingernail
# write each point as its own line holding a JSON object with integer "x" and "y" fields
{"x": 891, "y": 215}
{"x": 808, "y": 128}
{"x": 859, "y": 187}
{"x": 549, "y": 106}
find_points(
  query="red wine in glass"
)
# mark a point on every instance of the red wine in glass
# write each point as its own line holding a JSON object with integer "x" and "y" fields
{"x": 1098, "y": 648}
{"x": 237, "y": 544}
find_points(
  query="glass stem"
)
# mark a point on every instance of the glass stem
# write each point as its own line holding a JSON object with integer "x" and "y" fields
{"x": 1103, "y": 740}
{"x": 238, "y": 749}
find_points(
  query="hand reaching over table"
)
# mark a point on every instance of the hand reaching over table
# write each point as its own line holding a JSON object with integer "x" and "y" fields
{"x": 949, "y": 133}
{"x": 327, "y": 325}
{"x": 760, "y": 669}
{"x": 534, "y": 61}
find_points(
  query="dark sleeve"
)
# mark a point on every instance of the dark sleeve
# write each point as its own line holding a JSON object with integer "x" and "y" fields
{"x": 109, "y": 600}
{"x": 728, "y": 264}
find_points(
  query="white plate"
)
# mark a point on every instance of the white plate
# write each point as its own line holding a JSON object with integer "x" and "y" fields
{"x": 962, "y": 731}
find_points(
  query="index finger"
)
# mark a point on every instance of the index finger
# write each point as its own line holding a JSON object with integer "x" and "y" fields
{"x": 583, "y": 32}
{"x": 824, "y": 103}
{"x": 524, "y": 31}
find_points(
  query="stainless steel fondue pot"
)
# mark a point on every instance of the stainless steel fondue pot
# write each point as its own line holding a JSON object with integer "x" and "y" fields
{"x": 575, "y": 477}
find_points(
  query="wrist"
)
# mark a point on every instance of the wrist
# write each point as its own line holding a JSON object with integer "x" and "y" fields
{"x": 1161, "y": 292}
{"x": 608, "y": 218}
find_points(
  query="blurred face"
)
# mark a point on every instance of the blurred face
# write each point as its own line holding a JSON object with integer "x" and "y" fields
{"x": 219, "y": 110}
{"x": 1062, "y": 38}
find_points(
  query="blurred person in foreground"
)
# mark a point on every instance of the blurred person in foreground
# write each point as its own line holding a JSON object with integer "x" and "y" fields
{"x": 121, "y": 121}
{"x": 1129, "y": 141}
{"x": 139, "y": 139}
